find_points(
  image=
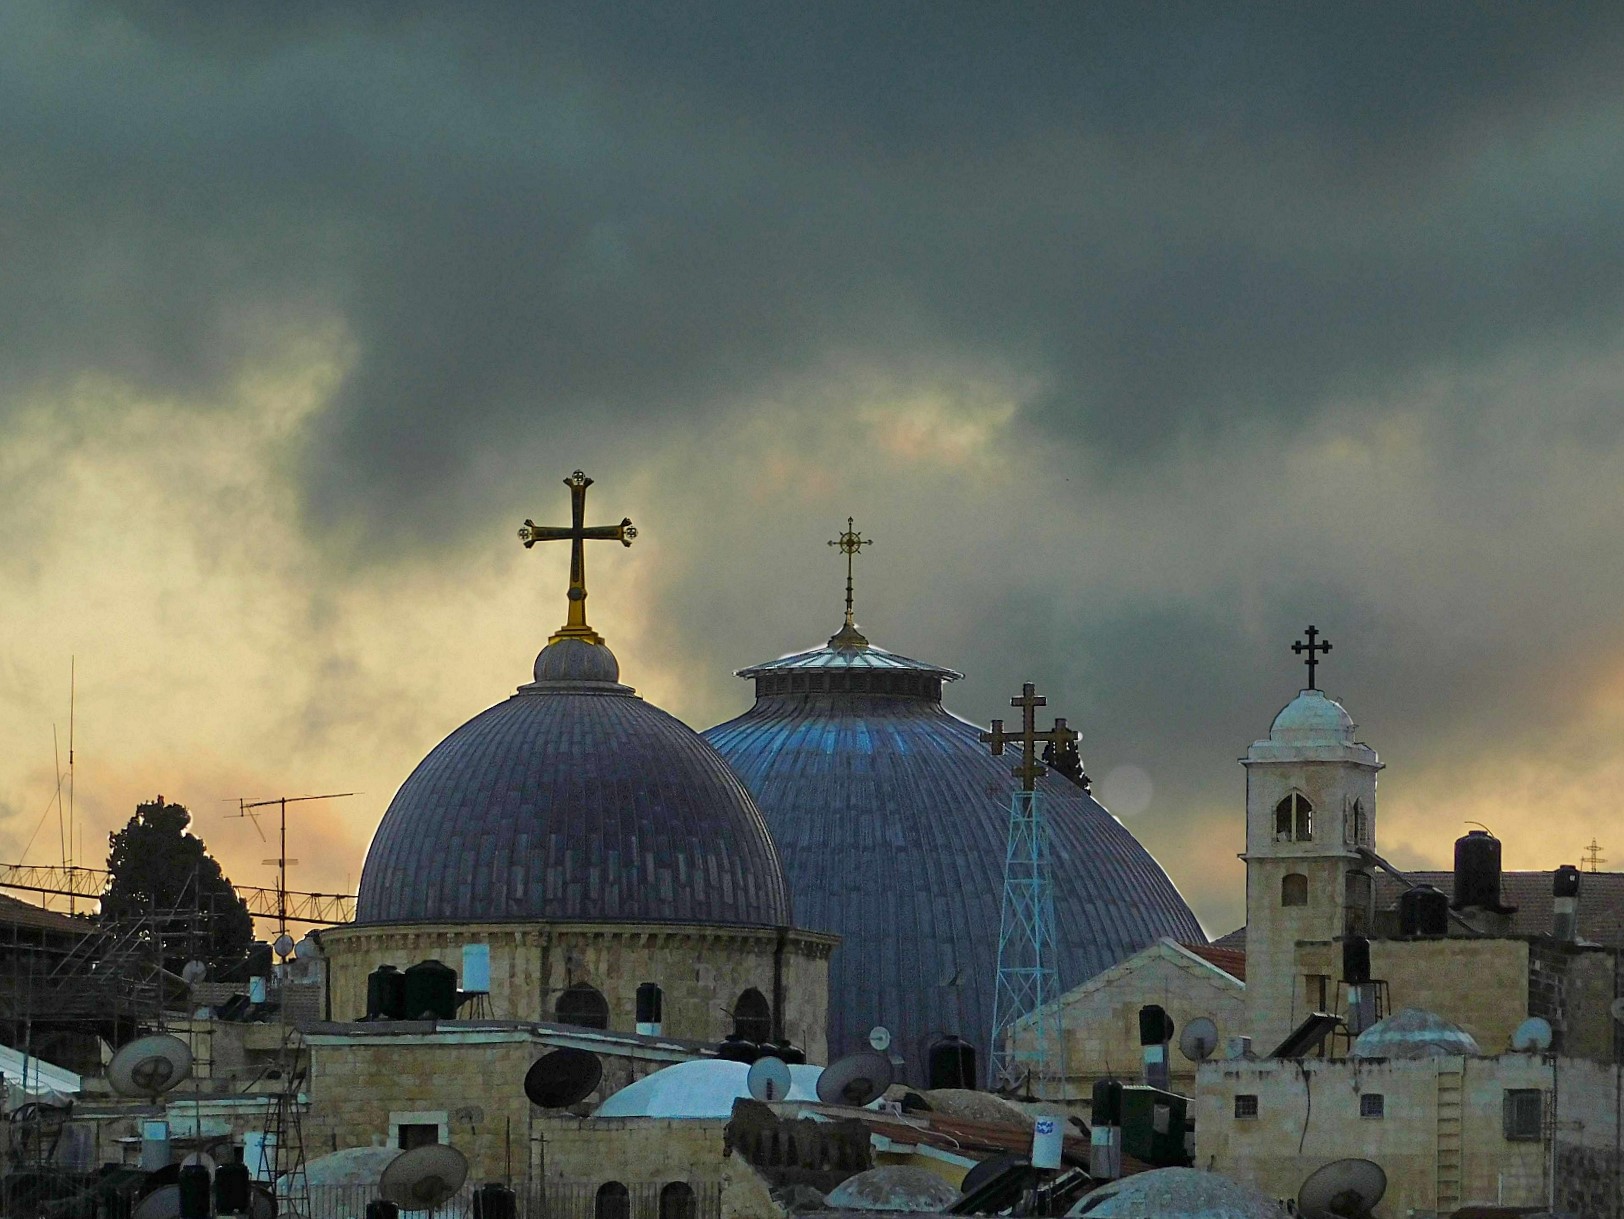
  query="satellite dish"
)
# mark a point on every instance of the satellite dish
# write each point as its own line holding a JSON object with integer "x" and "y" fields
{"x": 161, "y": 1203}
{"x": 194, "y": 972}
{"x": 1199, "y": 1039}
{"x": 563, "y": 1078}
{"x": 424, "y": 1178}
{"x": 283, "y": 947}
{"x": 1532, "y": 1036}
{"x": 856, "y": 1080}
{"x": 149, "y": 1066}
{"x": 986, "y": 1170}
{"x": 1342, "y": 1189}
{"x": 879, "y": 1039}
{"x": 768, "y": 1079}
{"x": 1617, "y": 1009}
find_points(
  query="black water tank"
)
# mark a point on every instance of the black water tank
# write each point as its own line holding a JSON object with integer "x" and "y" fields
{"x": 1155, "y": 1025}
{"x": 258, "y": 962}
{"x": 386, "y": 994}
{"x": 736, "y": 1049}
{"x": 1565, "y": 882}
{"x": 431, "y": 991}
{"x": 378, "y": 1208}
{"x": 1477, "y": 871}
{"x": 231, "y": 1189}
{"x": 1107, "y": 1110}
{"x": 495, "y": 1201}
{"x": 1356, "y": 960}
{"x": 194, "y": 1192}
{"x": 786, "y": 1052}
{"x": 1423, "y": 910}
{"x": 952, "y": 1063}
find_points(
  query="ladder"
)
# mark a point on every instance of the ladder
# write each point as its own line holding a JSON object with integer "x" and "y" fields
{"x": 1451, "y": 1073}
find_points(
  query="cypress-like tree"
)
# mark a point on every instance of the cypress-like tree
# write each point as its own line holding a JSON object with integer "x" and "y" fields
{"x": 156, "y": 866}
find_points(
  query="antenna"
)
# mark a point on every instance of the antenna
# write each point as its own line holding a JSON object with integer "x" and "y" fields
{"x": 1342, "y": 1189}
{"x": 245, "y": 808}
{"x": 1593, "y": 857}
{"x": 1199, "y": 1039}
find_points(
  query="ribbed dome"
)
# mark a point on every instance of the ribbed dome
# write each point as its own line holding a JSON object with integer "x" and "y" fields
{"x": 1412, "y": 1032}
{"x": 891, "y": 818}
{"x": 1312, "y": 719}
{"x": 573, "y": 800}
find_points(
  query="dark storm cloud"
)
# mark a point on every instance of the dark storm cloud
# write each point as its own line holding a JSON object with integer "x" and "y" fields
{"x": 619, "y": 219}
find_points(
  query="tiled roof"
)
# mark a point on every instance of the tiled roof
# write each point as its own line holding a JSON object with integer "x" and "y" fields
{"x": 16, "y": 913}
{"x": 1601, "y": 900}
{"x": 1235, "y": 939}
{"x": 1231, "y": 960}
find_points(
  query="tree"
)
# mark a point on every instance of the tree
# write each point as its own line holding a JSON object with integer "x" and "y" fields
{"x": 157, "y": 867}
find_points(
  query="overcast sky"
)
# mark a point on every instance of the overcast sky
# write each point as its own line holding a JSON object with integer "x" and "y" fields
{"x": 1137, "y": 336}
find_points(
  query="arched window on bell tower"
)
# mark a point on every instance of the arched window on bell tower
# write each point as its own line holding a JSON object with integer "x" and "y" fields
{"x": 1294, "y": 819}
{"x": 1294, "y": 889}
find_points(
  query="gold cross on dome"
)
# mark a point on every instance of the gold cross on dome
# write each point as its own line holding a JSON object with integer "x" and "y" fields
{"x": 850, "y": 543}
{"x": 1028, "y": 738}
{"x": 577, "y": 534}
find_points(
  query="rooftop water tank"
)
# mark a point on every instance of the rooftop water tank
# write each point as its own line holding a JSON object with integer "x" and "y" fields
{"x": 431, "y": 991}
{"x": 1423, "y": 910}
{"x": 1477, "y": 872}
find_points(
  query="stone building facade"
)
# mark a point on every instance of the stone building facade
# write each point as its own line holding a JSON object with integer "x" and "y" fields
{"x": 703, "y": 971}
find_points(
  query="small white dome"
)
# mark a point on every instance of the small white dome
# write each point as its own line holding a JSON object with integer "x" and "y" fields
{"x": 893, "y": 1187}
{"x": 1178, "y": 1193}
{"x": 1312, "y": 719}
{"x": 1412, "y": 1032}
{"x": 706, "y": 1087}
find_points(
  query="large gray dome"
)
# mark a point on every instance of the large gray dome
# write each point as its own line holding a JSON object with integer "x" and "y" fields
{"x": 573, "y": 800}
{"x": 892, "y": 818}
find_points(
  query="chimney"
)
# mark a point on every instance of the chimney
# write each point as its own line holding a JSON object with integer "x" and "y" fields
{"x": 1105, "y": 1131}
{"x": 1565, "y": 903}
{"x": 1155, "y": 1031}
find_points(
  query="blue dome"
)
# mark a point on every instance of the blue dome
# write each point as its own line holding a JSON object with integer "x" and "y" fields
{"x": 573, "y": 800}
{"x": 891, "y": 818}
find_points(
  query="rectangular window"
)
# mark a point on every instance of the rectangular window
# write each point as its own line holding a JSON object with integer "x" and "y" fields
{"x": 1372, "y": 1104}
{"x": 1524, "y": 1114}
{"x": 1246, "y": 1107}
{"x": 418, "y": 1136}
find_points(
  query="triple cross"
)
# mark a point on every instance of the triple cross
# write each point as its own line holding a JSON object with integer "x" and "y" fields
{"x": 577, "y": 534}
{"x": 1029, "y": 738}
{"x": 1311, "y": 648}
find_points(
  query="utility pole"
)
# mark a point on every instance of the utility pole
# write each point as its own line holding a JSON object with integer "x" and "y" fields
{"x": 245, "y": 808}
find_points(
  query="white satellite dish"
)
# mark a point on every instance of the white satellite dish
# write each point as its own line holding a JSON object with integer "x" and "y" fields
{"x": 1199, "y": 1039}
{"x": 424, "y": 1178}
{"x": 768, "y": 1079}
{"x": 856, "y": 1080}
{"x": 1533, "y": 1036}
{"x": 879, "y": 1039}
{"x": 283, "y": 946}
{"x": 149, "y": 1066}
{"x": 1342, "y": 1189}
{"x": 194, "y": 972}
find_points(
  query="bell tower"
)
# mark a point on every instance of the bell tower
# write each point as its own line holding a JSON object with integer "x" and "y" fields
{"x": 1310, "y": 806}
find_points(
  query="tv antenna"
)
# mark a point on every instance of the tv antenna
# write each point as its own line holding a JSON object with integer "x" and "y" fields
{"x": 246, "y": 808}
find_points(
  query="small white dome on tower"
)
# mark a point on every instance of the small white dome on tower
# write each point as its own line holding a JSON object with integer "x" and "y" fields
{"x": 1312, "y": 719}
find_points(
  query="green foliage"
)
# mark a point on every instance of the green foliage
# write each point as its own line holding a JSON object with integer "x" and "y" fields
{"x": 157, "y": 866}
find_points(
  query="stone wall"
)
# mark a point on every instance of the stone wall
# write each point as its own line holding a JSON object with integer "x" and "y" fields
{"x": 1441, "y": 1137}
{"x": 702, "y": 970}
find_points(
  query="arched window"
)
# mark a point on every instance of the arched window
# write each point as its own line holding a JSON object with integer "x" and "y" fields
{"x": 1294, "y": 889}
{"x": 677, "y": 1201}
{"x": 1361, "y": 832}
{"x": 1294, "y": 819}
{"x": 614, "y": 1201}
{"x": 1360, "y": 901}
{"x": 753, "y": 1017}
{"x": 583, "y": 1005}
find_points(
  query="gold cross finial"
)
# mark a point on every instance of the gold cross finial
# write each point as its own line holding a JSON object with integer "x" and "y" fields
{"x": 850, "y": 543}
{"x": 1028, "y": 738}
{"x": 577, "y": 534}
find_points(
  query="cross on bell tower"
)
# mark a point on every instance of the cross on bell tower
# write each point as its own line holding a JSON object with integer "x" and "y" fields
{"x": 1311, "y": 648}
{"x": 577, "y": 534}
{"x": 1027, "y": 1042}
